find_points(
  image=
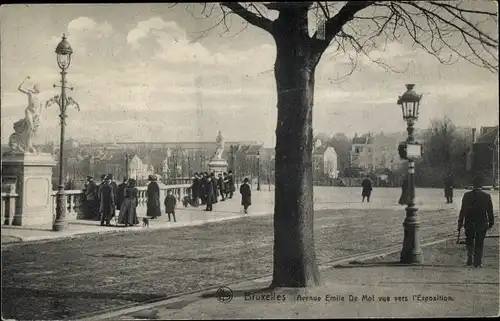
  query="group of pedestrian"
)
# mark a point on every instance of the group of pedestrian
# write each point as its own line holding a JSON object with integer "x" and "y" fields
{"x": 103, "y": 199}
{"x": 206, "y": 189}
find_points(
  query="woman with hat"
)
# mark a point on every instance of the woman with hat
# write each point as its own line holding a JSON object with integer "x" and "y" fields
{"x": 246, "y": 195}
{"x": 153, "y": 195}
{"x": 128, "y": 211}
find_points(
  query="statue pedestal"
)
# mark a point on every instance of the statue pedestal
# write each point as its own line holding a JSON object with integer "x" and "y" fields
{"x": 219, "y": 166}
{"x": 32, "y": 176}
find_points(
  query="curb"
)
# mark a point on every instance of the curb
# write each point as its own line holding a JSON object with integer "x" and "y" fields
{"x": 194, "y": 295}
{"x": 47, "y": 239}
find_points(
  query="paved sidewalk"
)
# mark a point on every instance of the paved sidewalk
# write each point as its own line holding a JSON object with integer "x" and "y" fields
{"x": 440, "y": 287}
{"x": 262, "y": 204}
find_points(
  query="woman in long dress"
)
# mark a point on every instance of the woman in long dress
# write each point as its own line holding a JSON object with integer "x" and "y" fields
{"x": 128, "y": 211}
{"x": 153, "y": 194}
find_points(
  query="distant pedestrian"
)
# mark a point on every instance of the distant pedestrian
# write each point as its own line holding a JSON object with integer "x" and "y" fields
{"x": 128, "y": 211}
{"x": 403, "y": 200}
{"x": 232, "y": 187}
{"x": 203, "y": 189}
{"x": 170, "y": 202}
{"x": 120, "y": 193}
{"x": 246, "y": 195}
{"x": 91, "y": 199}
{"x": 448, "y": 188}
{"x": 220, "y": 186}
{"x": 209, "y": 192}
{"x": 107, "y": 202}
{"x": 153, "y": 198}
{"x": 226, "y": 185}
{"x": 195, "y": 189}
{"x": 113, "y": 184}
{"x": 214, "y": 184}
{"x": 477, "y": 212}
{"x": 367, "y": 189}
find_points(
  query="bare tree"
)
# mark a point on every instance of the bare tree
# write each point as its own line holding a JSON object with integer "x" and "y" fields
{"x": 446, "y": 30}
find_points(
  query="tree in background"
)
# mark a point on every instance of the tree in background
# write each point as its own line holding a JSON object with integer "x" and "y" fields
{"x": 342, "y": 145}
{"x": 445, "y": 151}
{"x": 453, "y": 29}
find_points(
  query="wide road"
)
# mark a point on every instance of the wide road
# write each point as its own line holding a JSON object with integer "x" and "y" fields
{"x": 72, "y": 278}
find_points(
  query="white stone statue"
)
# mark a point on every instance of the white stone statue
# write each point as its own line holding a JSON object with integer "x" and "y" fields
{"x": 220, "y": 146}
{"x": 21, "y": 141}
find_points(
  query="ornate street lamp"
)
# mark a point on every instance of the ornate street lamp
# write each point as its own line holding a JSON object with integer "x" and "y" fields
{"x": 258, "y": 170}
{"x": 64, "y": 52}
{"x": 410, "y": 150}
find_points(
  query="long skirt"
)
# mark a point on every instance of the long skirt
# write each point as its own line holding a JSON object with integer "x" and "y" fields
{"x": 128, "y": 212}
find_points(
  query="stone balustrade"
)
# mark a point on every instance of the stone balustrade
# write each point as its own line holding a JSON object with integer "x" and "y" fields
{"x": 75, "y": 199}
{"x": 8, "y": 207}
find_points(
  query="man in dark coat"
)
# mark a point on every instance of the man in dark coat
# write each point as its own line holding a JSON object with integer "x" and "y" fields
{"x": 153, "y": 198}
{"x": 477, "y": 212}
{"x": 120, "y": 193}
{"x": 232, "y": 188}
{"x": 448, "y": 188}
{"x": 246, "y": 195}
{"x": 214, "y": 185}
{"x": 98, "y": 197}
{"x": 113, "y": 184}
{"x": 107, "y": 202}
{"x": 209, "y": 192}
{"x": 91, "y": 200}
{"x": 367, "y": 188}
{"x": 202, "y": 189}
{"x": 220, "y": 186}
{"x": 195, "y": 189}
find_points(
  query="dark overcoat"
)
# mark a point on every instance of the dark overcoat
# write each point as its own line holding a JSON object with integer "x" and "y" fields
{"x": 403, "y": 199}
{"x": 246, "y": 194}
{"x": 448, "y": 186}
{"x": 367, "y": 187}
{"x": 209, "y": 192}
{"x": 170, "y": 202}
{"x": 153, "y": 203}
{"x": 195, "y": 188}
{"x": 107, "y": 199}
{"x": 476, "y": 213}
{"x": 120, "y": 195}
{"x": 216, "y": 190}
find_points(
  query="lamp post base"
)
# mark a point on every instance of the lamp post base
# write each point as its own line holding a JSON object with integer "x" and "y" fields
{"x": 60, "y": 222}
{"x": 411, "y": 252}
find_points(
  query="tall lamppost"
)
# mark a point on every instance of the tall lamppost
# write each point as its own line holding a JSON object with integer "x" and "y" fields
{"x": 410, "y": 150}
{"x": 64, "y": 52}
{"x": 258, "y": 170}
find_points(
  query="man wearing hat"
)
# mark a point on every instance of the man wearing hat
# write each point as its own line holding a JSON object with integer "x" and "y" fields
{"x": 90, "y": 198}
{"x": 477, "y": 212}
{"x": 107, "y": 201}
{"x": 120, "y": 193}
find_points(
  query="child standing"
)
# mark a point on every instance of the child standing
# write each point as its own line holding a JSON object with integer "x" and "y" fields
{"x": 170, "y": 202}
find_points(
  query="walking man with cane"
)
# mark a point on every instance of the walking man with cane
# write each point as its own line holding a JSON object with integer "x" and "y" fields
{"x": 477, "y": 212}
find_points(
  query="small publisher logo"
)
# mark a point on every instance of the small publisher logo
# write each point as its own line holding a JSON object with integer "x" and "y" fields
{"x": 224, "y": 294}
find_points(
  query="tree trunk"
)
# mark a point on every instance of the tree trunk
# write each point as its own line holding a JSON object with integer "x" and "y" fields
{"x": 294, "y": 255}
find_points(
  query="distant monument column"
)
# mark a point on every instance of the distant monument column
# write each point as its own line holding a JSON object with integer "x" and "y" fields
{"x": 218, "y": 164}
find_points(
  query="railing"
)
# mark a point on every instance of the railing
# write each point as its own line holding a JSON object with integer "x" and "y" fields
{"x": 75, "y": 199}
{"x": 8, "y": 207}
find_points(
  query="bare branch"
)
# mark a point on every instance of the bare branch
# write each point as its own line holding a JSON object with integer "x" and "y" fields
{"x": 249, "y": 16}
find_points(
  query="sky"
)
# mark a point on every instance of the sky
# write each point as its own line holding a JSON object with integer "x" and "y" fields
{"x": 142, "y": 72}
